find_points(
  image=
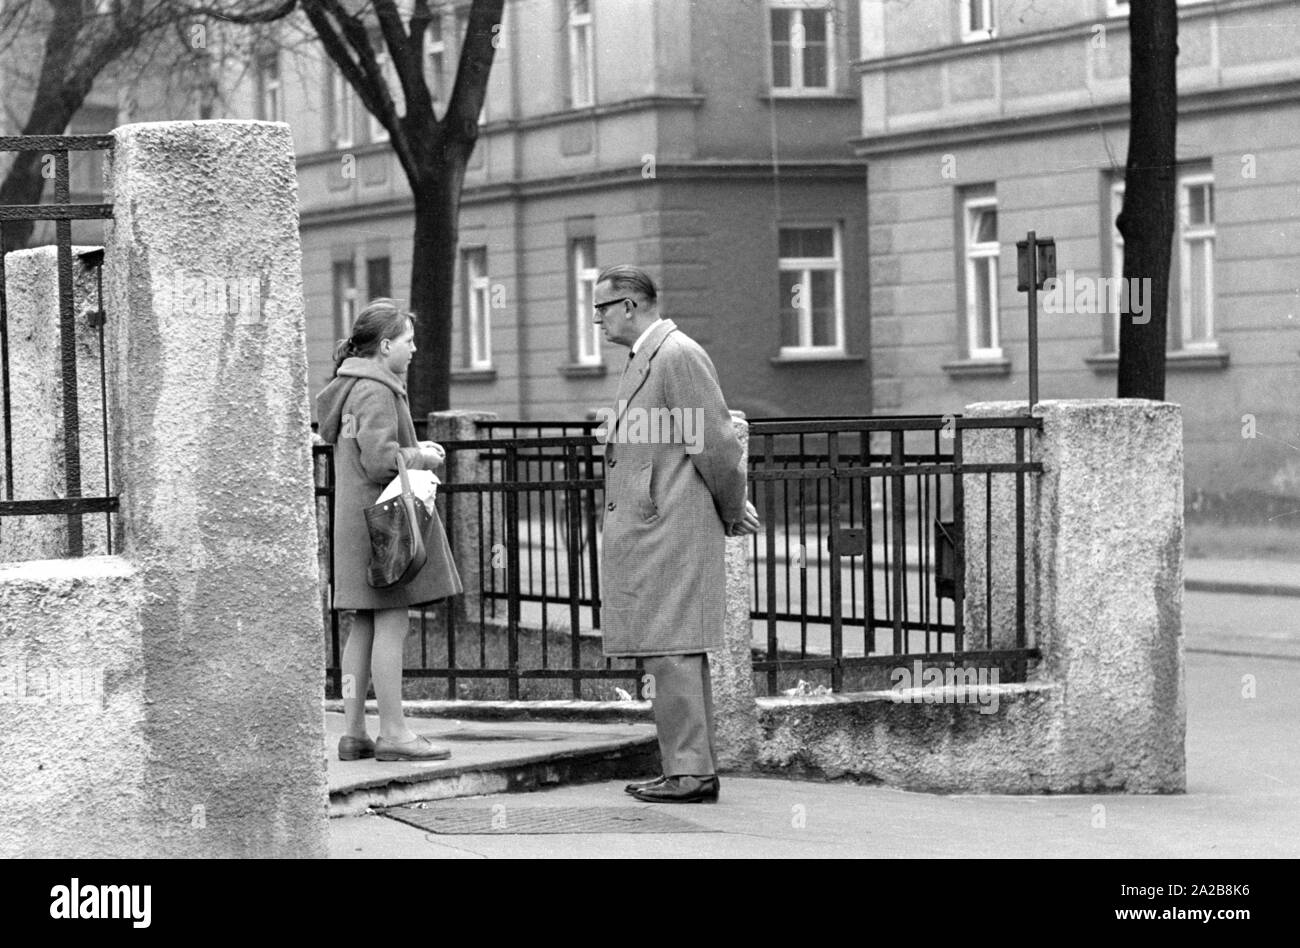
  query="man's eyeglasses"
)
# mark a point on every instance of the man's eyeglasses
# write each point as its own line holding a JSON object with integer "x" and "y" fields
{"x": 601, "y": 307}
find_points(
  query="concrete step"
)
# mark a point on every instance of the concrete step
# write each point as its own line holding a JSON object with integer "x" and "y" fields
{"x": 489, "y": 757}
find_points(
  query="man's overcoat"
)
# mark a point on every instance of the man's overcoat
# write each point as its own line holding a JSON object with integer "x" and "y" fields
{"x": 667, "y": 503}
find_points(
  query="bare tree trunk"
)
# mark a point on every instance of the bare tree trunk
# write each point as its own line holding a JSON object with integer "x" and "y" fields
{"x": 58, "y": 97}
{"x": 433, "y": 275}
{"x": 1147, "y": 220}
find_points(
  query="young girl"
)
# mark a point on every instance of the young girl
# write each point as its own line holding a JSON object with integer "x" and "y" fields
{"x": 363, "y": 412}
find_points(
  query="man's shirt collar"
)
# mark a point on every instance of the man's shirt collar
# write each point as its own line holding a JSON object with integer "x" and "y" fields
{"x": 641, "y": 338}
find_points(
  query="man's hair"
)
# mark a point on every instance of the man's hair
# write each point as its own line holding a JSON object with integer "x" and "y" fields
{"x": 625, "y": 278}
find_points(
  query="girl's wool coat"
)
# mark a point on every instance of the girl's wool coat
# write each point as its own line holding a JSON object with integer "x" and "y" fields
{"x": 363, "y": 412}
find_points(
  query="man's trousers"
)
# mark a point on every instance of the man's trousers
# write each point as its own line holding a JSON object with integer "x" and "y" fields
{"x": 683, "y": 710}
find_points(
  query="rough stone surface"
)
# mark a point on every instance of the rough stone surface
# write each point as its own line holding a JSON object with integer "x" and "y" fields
{"x": 1106, "y": 712}
{"x": 36, "y": 400}
{"x": 213, "y": 456}
{"x": 990, "y": 501}
{"x": 732, "y": 669}
{"x": 462, "y": 511}
{"x": 938, "y": 747}
{"x": 1110, "y": 606}
{"x": 72, "y": 691}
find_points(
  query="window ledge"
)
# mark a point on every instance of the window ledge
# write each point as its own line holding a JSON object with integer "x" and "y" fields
{"x": 473, "y": 375}
{"x": 972, "y": 368}
{"x": 579, "y": 370}
{"x": 813, "y": 95}
{"x": 1178, "y": 360}
{"x": 815, "y": 358}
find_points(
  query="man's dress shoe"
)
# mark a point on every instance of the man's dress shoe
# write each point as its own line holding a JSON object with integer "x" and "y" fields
{"x": 355, "y": 748}
{"x": 685, "y": 789}
{"x": 644, "y": 784}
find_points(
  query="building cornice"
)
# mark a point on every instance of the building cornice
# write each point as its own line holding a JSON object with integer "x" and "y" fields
{"x": 1026, "y": 125}
{"x": 956, "y": 51}
{"x": 850, "y": 169}
{"x": 501, "y": 126}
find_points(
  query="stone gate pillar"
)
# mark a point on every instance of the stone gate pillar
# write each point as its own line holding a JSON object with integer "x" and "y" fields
{"x": 212, "y": 453}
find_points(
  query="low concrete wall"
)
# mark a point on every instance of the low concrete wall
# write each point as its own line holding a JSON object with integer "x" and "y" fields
{"x": 1105, "y": 710}
{"x": 72, "y": 691}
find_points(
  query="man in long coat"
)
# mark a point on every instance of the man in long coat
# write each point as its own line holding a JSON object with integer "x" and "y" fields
{"x": 675, "y": 487}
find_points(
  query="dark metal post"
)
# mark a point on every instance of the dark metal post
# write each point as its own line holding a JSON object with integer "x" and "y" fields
{"x": 512, "y": 580}
{"x": 1035, "y": 264}
{"x": 68, "y": 355}
{"x": 837, "y": 618}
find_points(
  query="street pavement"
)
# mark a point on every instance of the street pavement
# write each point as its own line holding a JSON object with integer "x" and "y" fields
{"x": 1242, "y": 799}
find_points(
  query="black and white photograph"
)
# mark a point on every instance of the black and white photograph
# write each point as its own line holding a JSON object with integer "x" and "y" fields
{"x": 648, "y": 430}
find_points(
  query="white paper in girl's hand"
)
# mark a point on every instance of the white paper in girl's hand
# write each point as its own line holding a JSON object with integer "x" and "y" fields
{"x": 424, "y": 485}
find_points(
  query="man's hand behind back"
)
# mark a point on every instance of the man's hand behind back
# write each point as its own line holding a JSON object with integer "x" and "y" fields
{"x": 743, "y": 528}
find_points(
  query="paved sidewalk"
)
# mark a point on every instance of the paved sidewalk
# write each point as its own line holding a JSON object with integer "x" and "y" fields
{"x": 1243, "y": 800}
{"x": 487, "y": 757}
{"x": 1253, "y": 577}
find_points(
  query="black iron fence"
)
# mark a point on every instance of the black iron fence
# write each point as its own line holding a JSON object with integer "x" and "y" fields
{"x": 74, "y": 504}
{"x": 528, "y": 504}
{"x": 861, "y": 563}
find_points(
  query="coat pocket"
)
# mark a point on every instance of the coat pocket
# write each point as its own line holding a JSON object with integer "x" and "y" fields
{"x": 643, "y": 494}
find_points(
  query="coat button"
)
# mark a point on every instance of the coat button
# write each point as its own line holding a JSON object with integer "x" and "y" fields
{"x": 611, "y": 505}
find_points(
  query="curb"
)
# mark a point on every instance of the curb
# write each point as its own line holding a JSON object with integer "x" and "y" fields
{"x": 603, "y": 712}
{"x": 1244, "y": 589}
{"x": 623, "y": 760}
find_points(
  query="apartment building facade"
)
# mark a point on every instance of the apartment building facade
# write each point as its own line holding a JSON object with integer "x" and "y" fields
{"x": 706, "y": 141}
{"x": 985, "y": 119}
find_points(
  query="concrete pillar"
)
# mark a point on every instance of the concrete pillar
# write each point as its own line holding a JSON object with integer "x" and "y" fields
{"x": 735, "y": 707}
{"x": 1108, "y": 527}
{"x": 36, "y": 403}
{"x": 990, "y": 613}
{"x": 212, "y": 452}
{"x": 472, "y": 556}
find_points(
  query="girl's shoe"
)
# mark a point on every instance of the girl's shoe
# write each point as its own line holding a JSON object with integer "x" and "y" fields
{"x": 355, "y": 748}
{"x": 419, "y": 749}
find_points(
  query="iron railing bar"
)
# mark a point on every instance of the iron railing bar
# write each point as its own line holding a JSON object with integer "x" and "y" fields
{"x": 63, "y": 212}
{"x": 837, "y": 631}
{"x": 1020, "y": 541}
{"x": 68, "y": 357}
{"x": 56, "y": 142}
{"x": 897, "y": 513}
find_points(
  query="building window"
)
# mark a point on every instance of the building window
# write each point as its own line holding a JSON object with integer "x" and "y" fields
{"x": 586, "y": 333}
{"x": 1196, "y": 259}
{"x": 342, "y": 111}
{"x": 977, "y": 20}
{"x": 981, "y": 233}
{"x": 436, "y": 65}
{"x": 812, "y": 291}
{"x": 379, "y": 281}
{"x": 345, "y": 297}
{"x": 477, "y": 309}
{"x": 270, "y": 104}
{"x": 802, "y": 51}
{"x": 581, "y": 61}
